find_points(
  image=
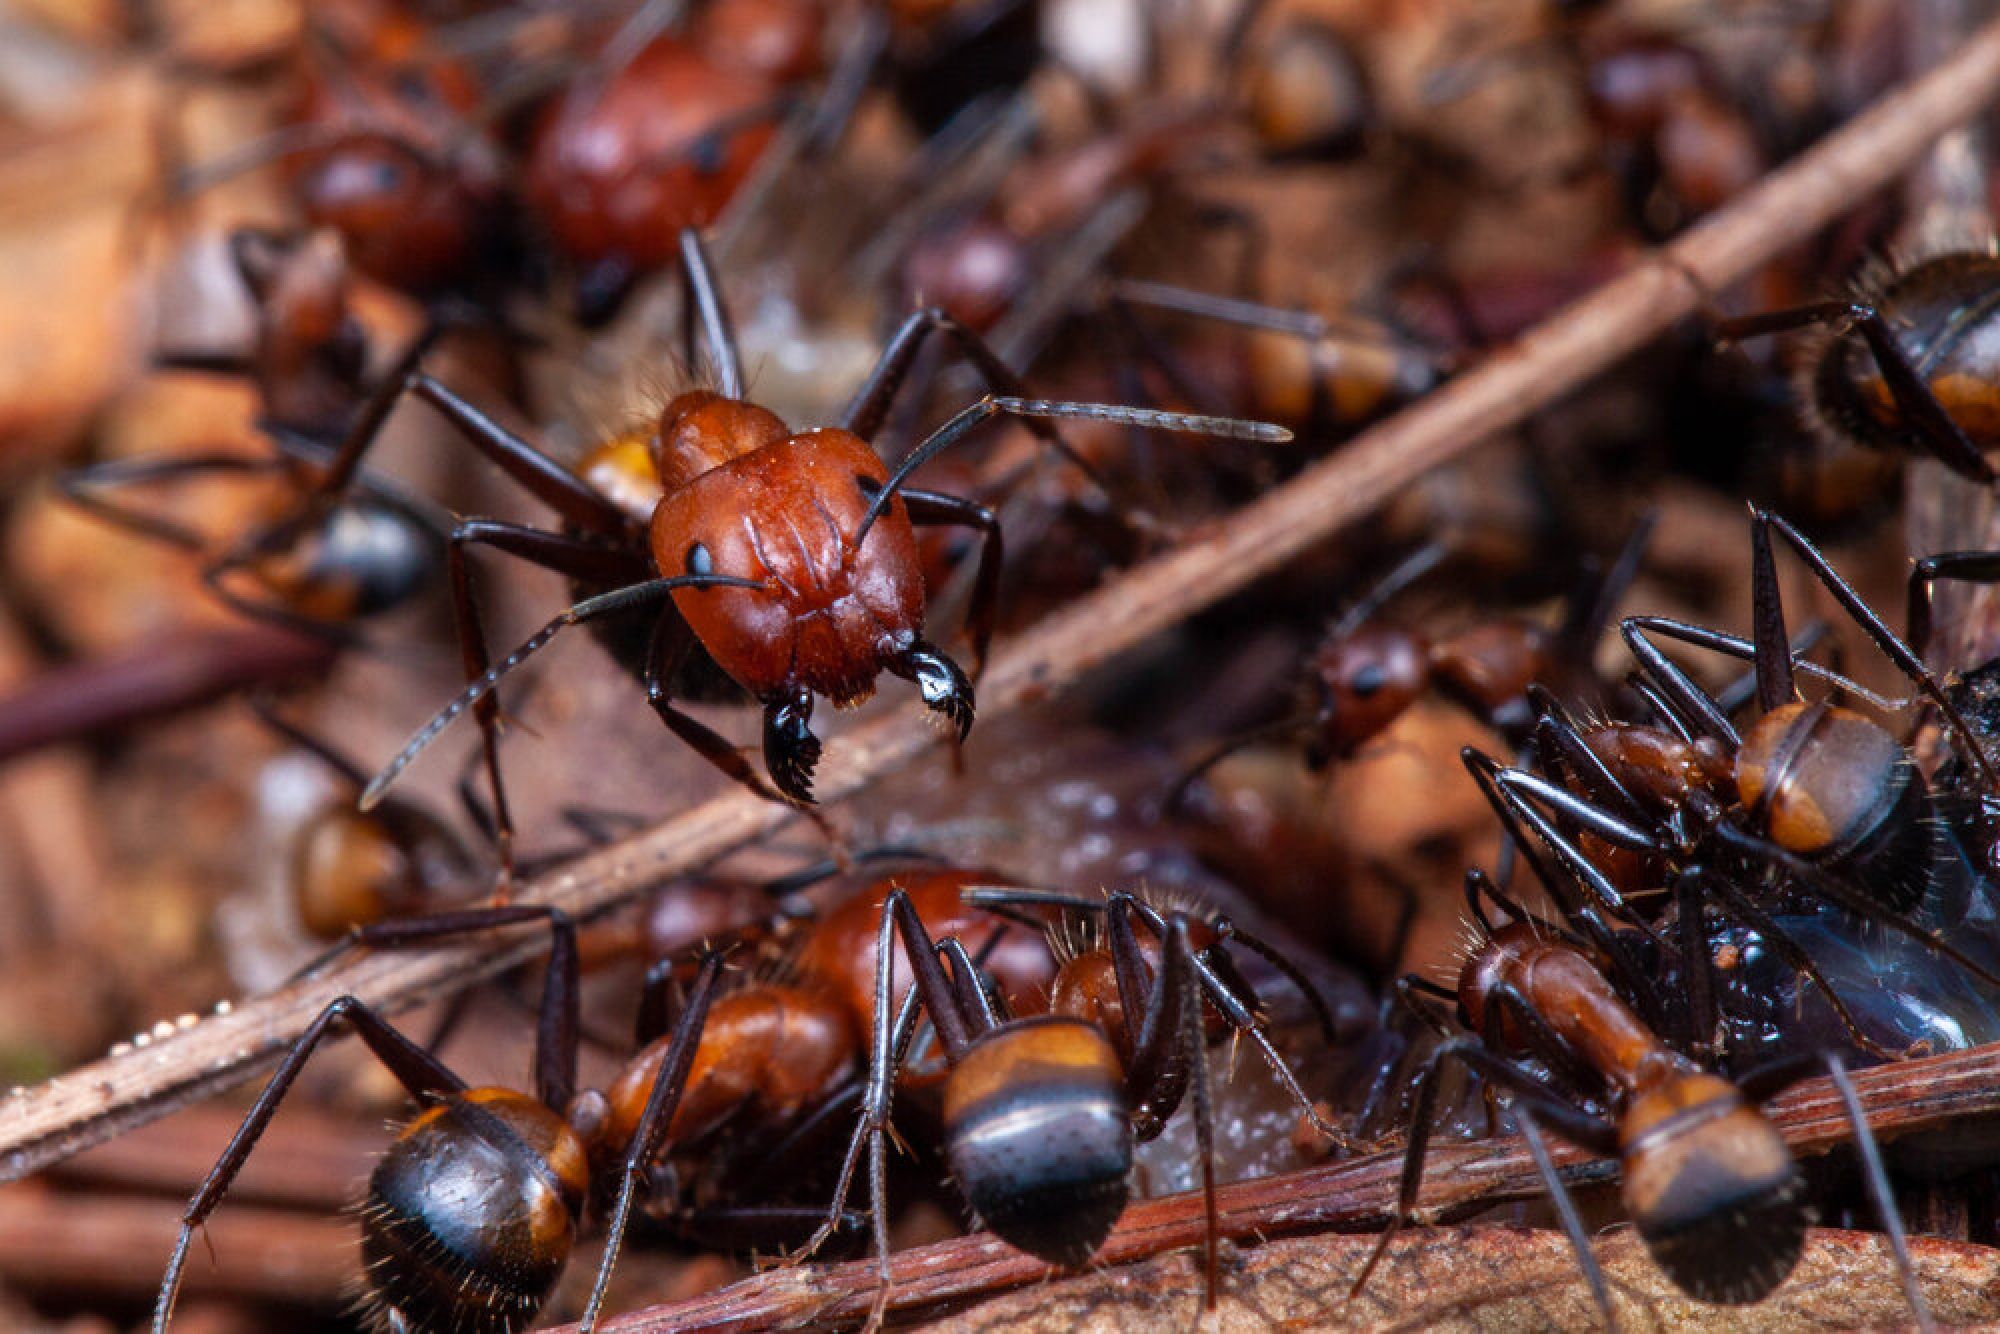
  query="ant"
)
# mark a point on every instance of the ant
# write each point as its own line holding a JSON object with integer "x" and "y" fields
{"x": 471, "y": 1212}
{"x": 1715, "y": 1194}
{"x": 1040, "y": 1113}
{"x": 1363, "y": 678}
{"x": 1818, "y": 792}
{"x": 782, "y": 565}
{"x": 339, "y": 549}
{"x": 308, "y": 357}
{"x": 1902, "y": 363}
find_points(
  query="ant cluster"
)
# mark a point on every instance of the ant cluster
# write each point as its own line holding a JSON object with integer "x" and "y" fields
{"x": 1028, "y": 968}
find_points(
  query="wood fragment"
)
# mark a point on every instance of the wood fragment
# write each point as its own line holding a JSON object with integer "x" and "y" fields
{"x": 1904, "y": 1100}
{"x": 89, "y": 1105}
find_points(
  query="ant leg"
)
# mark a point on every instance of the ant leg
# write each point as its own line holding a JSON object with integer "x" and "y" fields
{"x": 1572, "y": 1223}
{"x": 414, "y": 1068}
{"x": 944, "y": 689}
{"x": 613, "y": 603}
{"x": 1589, "y": 1132}
{"x": 85, "y": 487}
{"x": 1194, "y": 1046}
{"x": 1420, "y": 996}
{"x": 1972, "y": 567}
{"x": 1733, "y": 697}
{"x": 703, "y": 293}
{"x": 318, "y": 747}
{"x": 1925, "y": 416}
{"x": 234, "y": 365}
{"x": 668, "y": 1084}
{"x": 929, "y": 507}
{"x": 1894, "y": 649}
{"x": 1687, "y": 700}
{"x": 1772, "y": 661}
{"x": 977, "y": 414}
{"x": 1881, "y": 1193}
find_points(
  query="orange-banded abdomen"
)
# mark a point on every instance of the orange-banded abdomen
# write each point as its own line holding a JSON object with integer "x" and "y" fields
{"x": 1712, "y": 1188}
{"x": 782, "y": 1048}
{"x": 827, "y": 615}
{"x": 1944, "y": 313}
{"x": 471, "y": 1213}
{"x": 1833, "y": 785}
{"x": 1038, "y": 1135}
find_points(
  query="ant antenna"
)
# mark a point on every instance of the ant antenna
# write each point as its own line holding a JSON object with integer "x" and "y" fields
{"x": 993, "y": 405}
{"x": 604, "y": 604}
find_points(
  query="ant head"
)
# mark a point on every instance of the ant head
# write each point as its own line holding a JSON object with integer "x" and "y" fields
{"x": 1832, "y": 783}
{"x": 1039, "y": 1136}
{"x": 409, "y": 221}
{"x": 1712, "y": 1188}
{"x": 1365, "y": 681}
{"x": 471, "y": 1213}
{"x": 825, "y": 617}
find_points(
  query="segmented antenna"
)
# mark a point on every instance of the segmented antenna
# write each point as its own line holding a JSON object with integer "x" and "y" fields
{"x": 604, "y": 604}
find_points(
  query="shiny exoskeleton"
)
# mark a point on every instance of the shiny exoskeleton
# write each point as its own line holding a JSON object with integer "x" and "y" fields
{"x": 471, "y": 1213}
{"x": 1040, "y": 1114}
{"x": 1707, "y": 1180}
{"x": 779, "y": 563}
{"x": 1909, "y": 363}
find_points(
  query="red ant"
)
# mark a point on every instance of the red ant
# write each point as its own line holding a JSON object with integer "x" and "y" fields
{"x": 1040, "y": 1113}
{"x": 308, "y": 357}
{"x": 1365, "y": 678}
{"x": 686, "y": 519}
{"x": 1818, "y": 792}
{"x": 1708, "y": 1181}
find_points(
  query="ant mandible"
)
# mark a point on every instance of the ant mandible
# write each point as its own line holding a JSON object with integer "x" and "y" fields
{"x": 1707, "y": 1179}
{"x": 784, "y": 562}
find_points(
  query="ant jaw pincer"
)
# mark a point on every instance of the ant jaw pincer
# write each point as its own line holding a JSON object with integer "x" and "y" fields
{"x": 1719, "y": 1202}
{"x": 943, "y": 686}
{"x": 791, "y": 751}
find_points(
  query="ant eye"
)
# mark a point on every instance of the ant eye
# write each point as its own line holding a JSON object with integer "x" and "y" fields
{"x": 709, "y": 154}
{"x": 868, "y": 486}
{"x": 388, "y": 176}
{"x": 699, "y": 561}
{"x": 1367, "y": 681}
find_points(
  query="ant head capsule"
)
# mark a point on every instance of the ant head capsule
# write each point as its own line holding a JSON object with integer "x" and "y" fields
{"x": 1834, "y": 785}
{"x": 1713, "y": 1189}
{"x": 1038, "y": 1136}
{"x": 1365, "y": 681}
{"x": 828, "y": 617}
{"x": 471, "y": 1213}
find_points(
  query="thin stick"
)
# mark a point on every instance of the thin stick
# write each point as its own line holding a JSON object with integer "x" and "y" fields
{"x": 86, "y": 1106}
{"x": 1901, "y": 1099}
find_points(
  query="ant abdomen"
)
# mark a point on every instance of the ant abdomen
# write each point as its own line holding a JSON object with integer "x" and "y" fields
{"x": 471, "y": 1213}
{"x": 1038, "y": 1135}
{"x": 1942, "y": 312}
{"x": 1712, "y": 1188}
{"x": 1834, "y": 786}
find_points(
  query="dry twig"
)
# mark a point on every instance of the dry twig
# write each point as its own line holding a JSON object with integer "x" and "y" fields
{"x": 1902, "y": 1100}
{"x": 89, "y": 1105}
